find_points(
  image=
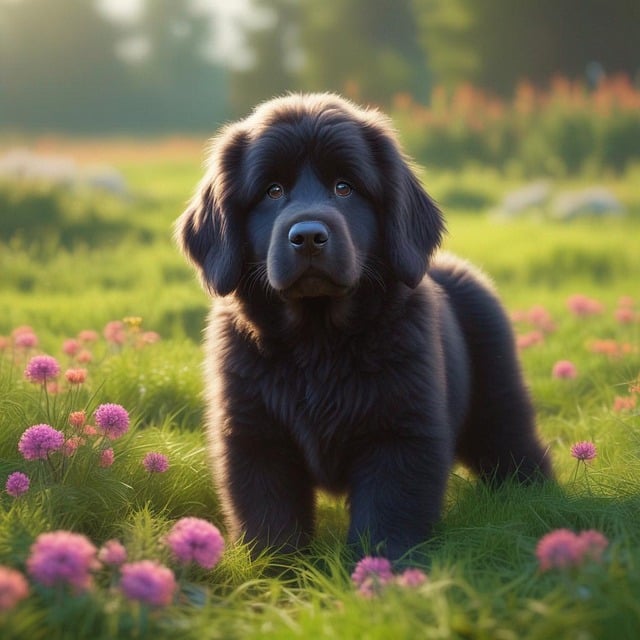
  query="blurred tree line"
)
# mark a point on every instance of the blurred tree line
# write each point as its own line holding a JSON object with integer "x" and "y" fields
{"x": 63, "y": 64}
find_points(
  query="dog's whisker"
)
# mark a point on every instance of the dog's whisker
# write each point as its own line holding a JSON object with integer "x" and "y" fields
{"x": 256, "y": 278}
{"x": 373, "y": 275}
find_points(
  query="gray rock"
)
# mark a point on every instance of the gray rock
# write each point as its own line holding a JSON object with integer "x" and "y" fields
{"x": 533, "y": 196}
{"x": 594, "y": 201}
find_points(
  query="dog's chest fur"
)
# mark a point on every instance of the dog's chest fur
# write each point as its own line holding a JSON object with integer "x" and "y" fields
{"x": 326, "y": 391}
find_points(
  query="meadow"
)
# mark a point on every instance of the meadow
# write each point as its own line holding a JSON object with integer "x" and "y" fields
{"x": 96, "y": 282}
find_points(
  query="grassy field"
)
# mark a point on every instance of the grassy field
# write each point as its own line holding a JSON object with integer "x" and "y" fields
{"x": 74, "y": 261}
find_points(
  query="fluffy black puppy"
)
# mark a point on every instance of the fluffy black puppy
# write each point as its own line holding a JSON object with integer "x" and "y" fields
{"x": 340, "y": 353}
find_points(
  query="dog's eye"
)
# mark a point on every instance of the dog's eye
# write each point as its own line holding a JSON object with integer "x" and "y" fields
{"x": 275, "y": 191}
{"x": 343, "y": 189}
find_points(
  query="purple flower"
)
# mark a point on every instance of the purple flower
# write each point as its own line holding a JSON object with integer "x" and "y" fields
{"x": 113, "y": 419}
{"x": 369, "y": 569}
{"x": 37, "y": 442}
{"x": 41, "y": 369}
{"x": 112, "y": 553}
{"x": 17, "y": 484}
{"x": 196, "y": 540}
{"x": 559, "y": 549}
{"x": 564, "y": 370}
{"x": 593, "y": 544}
{"x": 106, "y": 458}
{"x": 584, "y": 451}
{"x": 564, "y": 549}
{"x": 148, "y": 582}
{"x": 62, "y": 557}
{"x": 155, "y": 462}
{"x": 25, "y": 339}
{"x": 412, "y": 578}
{"x": 13, "y": 588}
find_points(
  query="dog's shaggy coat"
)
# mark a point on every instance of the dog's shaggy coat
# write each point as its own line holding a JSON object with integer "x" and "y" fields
{"x": 341, "y": 353}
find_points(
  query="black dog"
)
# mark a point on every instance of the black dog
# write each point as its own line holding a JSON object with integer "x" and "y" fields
{"x": 340, "y": 355}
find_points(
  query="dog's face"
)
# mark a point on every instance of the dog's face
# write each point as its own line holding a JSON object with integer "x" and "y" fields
{"x": 312, "y": 235}
{"x": 308, "y": 196}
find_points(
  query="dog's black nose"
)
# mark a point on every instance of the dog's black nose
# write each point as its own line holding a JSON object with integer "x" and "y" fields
{"x": 309, "y": 236}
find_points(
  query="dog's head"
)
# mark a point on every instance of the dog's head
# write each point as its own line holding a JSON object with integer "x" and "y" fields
{"x": 306, "y": 194}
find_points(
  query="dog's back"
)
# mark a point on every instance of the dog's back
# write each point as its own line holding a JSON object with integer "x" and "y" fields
{"x": 500, "y": 418}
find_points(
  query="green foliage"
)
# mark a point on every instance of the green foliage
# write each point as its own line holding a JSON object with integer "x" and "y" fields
{"x": 272, "y": 44}
{"x": 564, "y": 131}
{"x": 373, "y": 50}
{"x": 45, "y": 216}
{"x": 158, "y": 388}
{"x": 366, "y": 50}
{"x": 618, "y": 138}
{"x": 484, "y": 580}
{"x": 489, "y": 43}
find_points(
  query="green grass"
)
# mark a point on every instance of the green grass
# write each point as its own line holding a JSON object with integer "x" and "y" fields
{"x": 61, "y": 276}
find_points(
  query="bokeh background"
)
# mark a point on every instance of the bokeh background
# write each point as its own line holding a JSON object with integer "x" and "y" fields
{"x": 537, "y": 86}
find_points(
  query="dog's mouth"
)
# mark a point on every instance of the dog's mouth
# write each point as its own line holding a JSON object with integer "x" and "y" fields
{"x": 314, "y": 283}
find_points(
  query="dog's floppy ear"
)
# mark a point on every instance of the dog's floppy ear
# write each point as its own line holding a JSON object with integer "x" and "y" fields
{"x": 413, "y": 225}
{"x": 209, "y": 232}
{"x": 414, "y": 228}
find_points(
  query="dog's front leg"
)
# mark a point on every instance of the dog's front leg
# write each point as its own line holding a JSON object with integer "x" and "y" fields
{"x": 396, "y": 491}
{"x": 266, "y": 491}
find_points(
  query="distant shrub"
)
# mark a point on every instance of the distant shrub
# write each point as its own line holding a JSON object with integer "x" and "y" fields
{"x": 558, "y": 131}
{"x": 463, "y": 197}
{"x": 24, "y": 209}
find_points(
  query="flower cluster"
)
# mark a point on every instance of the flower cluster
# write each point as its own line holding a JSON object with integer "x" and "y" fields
{"x": 42, "y": 368}
{"x": 13, "y": 588}
{"x": 43, "y": 442}
{"x": 584, "y": 451}
{"x": 193, "y": 540}
{"x": 155, "y": 462}
{"x": 583, "y": 306}
{"x": 37, "y": 442}
{"x": 466, "y": 124}
{"x": 128, "y": 331}
{"x": 611, "y": 348}
{"x": 24, "y": 337}
{"x": 373, "y": 574}
{"x": 539, "y": 325}
{"x": 148, "y": 582}
{"x": 537, "y": 316}
{"x": 55, "y": 446}
{"x": 79, "y": 351}
{"x": 624, "y": 403}
{"x": 564, "y": 370}
{"x": 67, "y": 560}
{"x": 112, "y": 553}
{"x": 626, "y": 312}
{"x": 17, "y": 484}
{"x": 564, "y": 549}
{"x": 62, "y": 557}
{"x": 112, "y": 419}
